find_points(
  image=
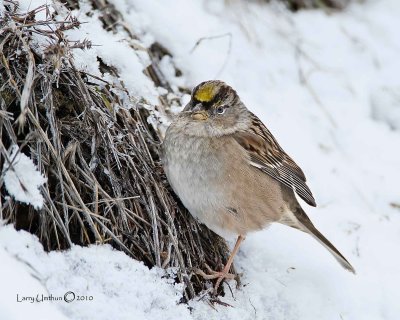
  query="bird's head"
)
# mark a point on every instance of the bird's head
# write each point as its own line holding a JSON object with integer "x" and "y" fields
{"x": 215, "y": 109}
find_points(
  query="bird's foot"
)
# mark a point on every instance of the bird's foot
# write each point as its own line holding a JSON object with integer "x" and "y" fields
{"x": 220, "y": 275}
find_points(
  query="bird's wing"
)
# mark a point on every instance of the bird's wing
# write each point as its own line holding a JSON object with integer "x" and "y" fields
{"x": 266, "y": 154}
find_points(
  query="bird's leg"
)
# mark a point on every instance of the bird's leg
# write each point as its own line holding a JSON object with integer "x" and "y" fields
{"x": 225, "y": 271}
{"x": 224, "y": 274}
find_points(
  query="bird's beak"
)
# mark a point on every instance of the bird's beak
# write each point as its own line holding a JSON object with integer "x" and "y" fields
{"x": 200, "y": 115}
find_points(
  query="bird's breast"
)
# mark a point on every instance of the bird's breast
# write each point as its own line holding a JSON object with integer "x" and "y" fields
{"x": 215, "y": 182}
{"x": 192, "y": 165}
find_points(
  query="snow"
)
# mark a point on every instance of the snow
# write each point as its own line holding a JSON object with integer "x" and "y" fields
{"x": 327, "y": 87}
{"x": 119, "y": 287}
{"x": 385, "y": 103}
{"x": 114, "y": 50}
{"x": 16, "y": 277}
{"x": 22, "y": 179}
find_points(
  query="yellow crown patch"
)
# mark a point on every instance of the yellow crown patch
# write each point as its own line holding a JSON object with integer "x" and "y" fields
{"x": 206, "y": 92}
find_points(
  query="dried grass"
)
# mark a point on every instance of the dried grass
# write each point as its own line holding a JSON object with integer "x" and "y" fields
{"x": 105, "y": 180}
{"x": 296, "y": 5}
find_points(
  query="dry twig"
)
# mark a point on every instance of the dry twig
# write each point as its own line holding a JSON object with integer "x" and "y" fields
{"x": 105, "y": 181}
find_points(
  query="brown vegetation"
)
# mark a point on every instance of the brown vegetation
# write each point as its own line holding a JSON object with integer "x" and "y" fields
{"x": 101, "y": 158}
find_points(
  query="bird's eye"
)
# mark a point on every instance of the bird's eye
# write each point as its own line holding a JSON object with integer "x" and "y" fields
{"x": 221, "y": 109}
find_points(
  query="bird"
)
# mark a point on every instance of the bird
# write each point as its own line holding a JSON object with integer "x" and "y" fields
{"x": 231, "y": 174}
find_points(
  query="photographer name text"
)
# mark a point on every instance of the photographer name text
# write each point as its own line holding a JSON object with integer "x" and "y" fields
{"x": 68, "y": 297}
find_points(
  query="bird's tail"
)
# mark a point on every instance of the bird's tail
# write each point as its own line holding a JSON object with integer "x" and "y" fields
{"x": 304, "y": 223}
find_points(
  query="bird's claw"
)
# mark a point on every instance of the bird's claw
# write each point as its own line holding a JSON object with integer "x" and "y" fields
{"x": 219, "y": 275}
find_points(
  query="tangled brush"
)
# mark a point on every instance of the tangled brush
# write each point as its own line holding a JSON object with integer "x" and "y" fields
{"x": 295, "y": 5}
{"x": 105, "y": 182}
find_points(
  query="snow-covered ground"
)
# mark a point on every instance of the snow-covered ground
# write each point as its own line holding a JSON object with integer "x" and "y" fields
{"x": 328, "y": 87}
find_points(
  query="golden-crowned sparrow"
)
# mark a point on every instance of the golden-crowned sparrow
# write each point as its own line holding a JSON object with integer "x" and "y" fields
{"x": 230, "y": 172}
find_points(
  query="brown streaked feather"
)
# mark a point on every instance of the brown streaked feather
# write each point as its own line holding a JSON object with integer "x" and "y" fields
{"x": 268, "y": 156}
